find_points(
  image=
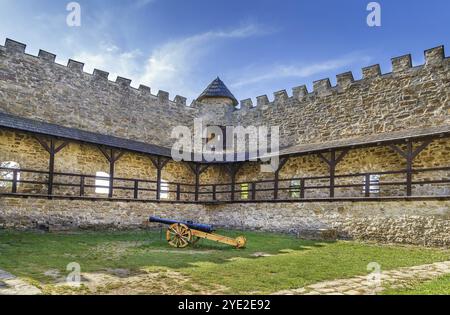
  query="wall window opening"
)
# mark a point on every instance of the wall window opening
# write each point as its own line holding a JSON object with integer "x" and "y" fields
{"x": 7, "y": 173}
{"x": 164, "y": 193}
{"x": 245, "y": 191}
{"x": 294, "y": 188}
{"x": 374, "y": 185}
{"x": 102, "y": 183}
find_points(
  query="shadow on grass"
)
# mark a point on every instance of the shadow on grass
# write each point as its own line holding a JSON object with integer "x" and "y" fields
{"x": 271, "y": 262}
{"x": 33, "y": 253}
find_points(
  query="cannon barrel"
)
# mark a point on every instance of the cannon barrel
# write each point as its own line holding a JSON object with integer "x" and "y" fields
{"x": 195, "y": 226}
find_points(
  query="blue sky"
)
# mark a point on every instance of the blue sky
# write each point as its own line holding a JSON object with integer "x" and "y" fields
{"x": 256, "y": 46}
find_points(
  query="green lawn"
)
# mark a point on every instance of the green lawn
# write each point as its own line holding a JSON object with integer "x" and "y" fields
{"x": 440, "y": 286}
{"x": 286, "y": 262}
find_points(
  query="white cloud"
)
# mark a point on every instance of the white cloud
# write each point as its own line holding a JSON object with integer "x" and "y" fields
{"x": 252, "y": 77}
{"x": 170, "y": 66}
{"x": 111, "y": 58}
{"x": 143, "y": 3}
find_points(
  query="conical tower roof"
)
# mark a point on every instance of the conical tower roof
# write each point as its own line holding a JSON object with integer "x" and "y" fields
{"x": 217, "y": 89}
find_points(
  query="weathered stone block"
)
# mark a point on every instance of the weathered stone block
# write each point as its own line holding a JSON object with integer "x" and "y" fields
{"x": 434, "y": 55}
{"x": 401, "y": 63}
{"x": 345, "y": 79}
{"x": 262, "y": 100}
{"x": 100, "y": 74}
{"x": 299, "y": 92}
{"x": 247, "y": 104}
{"x": 163, "y": 96}
{"x": 75, "y": 65}
{"x": 15, "y": 47}
{"x": 180, "y": 100}
{"x": 322, "y": 87}
{"x": 123, "y": 81}
{"x": 44, "y": 55}
{"x": 371, "y": 72}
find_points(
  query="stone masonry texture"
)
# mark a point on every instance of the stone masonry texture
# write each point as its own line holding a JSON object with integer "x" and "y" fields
{"x": 408, "y": 222}
{"x": 407, "y": 98}
{"x": 35, "y": 88}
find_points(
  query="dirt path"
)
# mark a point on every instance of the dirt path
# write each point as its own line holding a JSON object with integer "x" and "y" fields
{"x": 11, "y": 285}
{"x": 121, "y": 282}
{"x": 375, "y": 283}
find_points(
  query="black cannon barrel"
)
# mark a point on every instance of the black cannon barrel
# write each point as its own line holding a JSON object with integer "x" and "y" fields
{"x": 195, "y": 226}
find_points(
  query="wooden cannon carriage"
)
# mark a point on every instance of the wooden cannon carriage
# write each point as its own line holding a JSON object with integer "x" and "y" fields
{"x": 182, "y": 234}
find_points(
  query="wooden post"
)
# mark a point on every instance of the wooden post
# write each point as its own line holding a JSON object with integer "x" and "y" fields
{"x": 332, "y": 163}
{"x": 51, "y": 167}
{"x": 198, "y": 169}
{"x": 112, "y": 164}
{"x": 112, "y": 156}
{"x": 159, "y": 164}
{"x": 50, "y": 147}
{"x": 332, "y": 173}
{"x": 302, "y": 188}
{"x": 409, "y": 168}
{"x": 410, "y": 154}
{"x": 253, "y": 191}
{"x": 214, "y": 188}
{"x": 233, "y": 187}
{"x": 82, "y": 184}
{"x": 14, "y": 183}
{"x": 197, "y": 182}
{"x": 283, "y": 162}
{"x": 136, "y": 189}
{"x": 367, "y": 186}
{"x": 158, "y": 183}
{"x": 275, "y": 185}
{"x": 178, "y": 192}
{"x": 232, "y": 170}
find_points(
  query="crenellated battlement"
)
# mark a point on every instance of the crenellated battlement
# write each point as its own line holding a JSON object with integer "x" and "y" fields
{"x": 15, "y": 47}
{"x": 321, "y": 88}
{"x": 37, "y": 87}
{"x": 344, "y": 81}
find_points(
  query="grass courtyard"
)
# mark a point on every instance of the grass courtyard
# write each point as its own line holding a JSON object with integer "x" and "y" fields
{"x": 143, "y": 263}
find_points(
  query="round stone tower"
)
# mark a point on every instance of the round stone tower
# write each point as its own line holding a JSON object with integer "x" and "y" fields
{"x": 217, "y": 93}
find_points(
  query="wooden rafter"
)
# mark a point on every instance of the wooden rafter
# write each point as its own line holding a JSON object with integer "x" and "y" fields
{"x": 159, "y": 163}
{"x": 332, "y": 162}
{"x": 49, "y": 144}
{"x": 276, "y": 183}
{"x": 198, "y": 170}
{"x": 232, "y": 170}
{"x": 112, "y": 156}
{"x": 410, "y": 154}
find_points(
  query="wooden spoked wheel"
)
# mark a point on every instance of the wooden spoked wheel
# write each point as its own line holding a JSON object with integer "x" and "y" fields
{"x": 241, "y": 241}
{"x": 179, "y": 235}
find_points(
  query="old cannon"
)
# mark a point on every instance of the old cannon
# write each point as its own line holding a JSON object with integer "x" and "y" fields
{"x": 182, "y": 234}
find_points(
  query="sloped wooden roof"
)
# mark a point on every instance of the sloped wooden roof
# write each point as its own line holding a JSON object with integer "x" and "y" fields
{"x": 217, "y": 89}
{"x": 43, "y": 128}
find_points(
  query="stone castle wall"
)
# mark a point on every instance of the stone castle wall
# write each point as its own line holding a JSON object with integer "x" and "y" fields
{"x": 86, "y": 159}
{"x": 409, "y": 222}
{"x": 83, "y": 159}
{"x": 408, "y": 97}
{"x": 38, "y": 88}
{"x": 365, "y": 160}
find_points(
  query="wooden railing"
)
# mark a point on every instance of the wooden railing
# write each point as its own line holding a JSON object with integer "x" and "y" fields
{"x": 426, "y": 183}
